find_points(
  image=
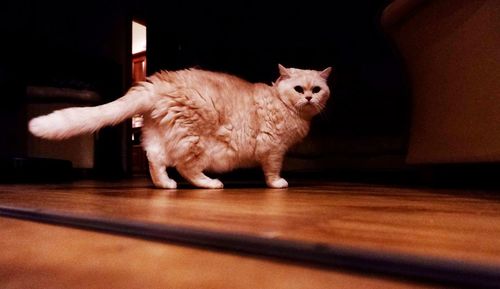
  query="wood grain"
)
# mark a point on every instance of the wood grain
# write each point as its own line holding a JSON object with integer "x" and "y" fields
{"x": 38, "y": 255}
{"x": 454, "y": 224}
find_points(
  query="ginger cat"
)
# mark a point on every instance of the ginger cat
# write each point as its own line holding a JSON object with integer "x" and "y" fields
{"x": 197, "y": 120}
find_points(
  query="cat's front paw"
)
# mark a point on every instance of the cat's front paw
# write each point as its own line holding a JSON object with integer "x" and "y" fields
{"x": 278, "y": 183}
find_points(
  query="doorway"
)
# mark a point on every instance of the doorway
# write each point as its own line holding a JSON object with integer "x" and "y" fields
{"x": 139, "y": 45}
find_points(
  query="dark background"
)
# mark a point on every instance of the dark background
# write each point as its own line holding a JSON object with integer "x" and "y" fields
{"x": 249, "y": 38}
{"x": 86, "y": 44}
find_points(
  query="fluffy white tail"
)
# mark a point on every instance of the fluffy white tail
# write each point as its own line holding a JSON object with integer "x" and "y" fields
{"x": 65, "y": 123}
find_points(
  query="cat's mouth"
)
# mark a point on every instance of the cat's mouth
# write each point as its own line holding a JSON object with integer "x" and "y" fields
{"x": 308, "y": 107}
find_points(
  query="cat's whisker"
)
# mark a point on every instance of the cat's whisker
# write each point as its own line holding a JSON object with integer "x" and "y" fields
{"x": 317, "y": 107}
{"x": 321, "y": 111}
{"x": 324, "y": 115}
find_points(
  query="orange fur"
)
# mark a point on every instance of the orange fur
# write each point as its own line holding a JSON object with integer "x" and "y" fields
{"x": 196, "y": 121}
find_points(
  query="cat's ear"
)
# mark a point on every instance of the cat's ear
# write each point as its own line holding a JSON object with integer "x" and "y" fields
{"x": 284, "y": 73}
{"x": 325, "y": 73}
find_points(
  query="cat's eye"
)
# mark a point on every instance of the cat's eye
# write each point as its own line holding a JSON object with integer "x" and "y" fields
{"x": 316, "y": 89}
{"x": 299, "y": 89}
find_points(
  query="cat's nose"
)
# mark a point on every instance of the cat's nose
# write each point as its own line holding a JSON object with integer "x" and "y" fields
{"x": 309, "y": 98}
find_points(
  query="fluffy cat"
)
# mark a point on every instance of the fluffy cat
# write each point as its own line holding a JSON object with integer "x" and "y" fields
{"x": 197, "y": 120}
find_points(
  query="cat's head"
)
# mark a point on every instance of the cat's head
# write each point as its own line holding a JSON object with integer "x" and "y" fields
{"x": 306, "y": 91}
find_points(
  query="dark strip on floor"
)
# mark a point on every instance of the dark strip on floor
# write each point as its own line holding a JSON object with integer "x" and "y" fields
{"x": 429, "y": 270}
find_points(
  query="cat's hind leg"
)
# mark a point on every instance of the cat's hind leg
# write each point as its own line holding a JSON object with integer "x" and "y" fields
{"x": 160, "y": 177}
{"x": 193, "y": 172}
{"x": 199, "y": 179}
{"x": 191, "y": 162}
{"x": 158, "y": 166}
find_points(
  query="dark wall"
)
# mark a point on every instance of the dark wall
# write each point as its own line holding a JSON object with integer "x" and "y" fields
{"x": 87, "y": 43}
{"x": 74, "y": 44}
{"x": 369, "y": 104}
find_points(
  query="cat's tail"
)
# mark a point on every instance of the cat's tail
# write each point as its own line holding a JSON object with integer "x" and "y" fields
{"x": 65, "y": 123}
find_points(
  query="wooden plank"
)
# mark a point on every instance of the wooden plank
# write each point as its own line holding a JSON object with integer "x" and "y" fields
{"x": 38, "y": 255}
{"x": 445, "y": 272}
{"x": 427, "y": 222}
{"x": 457, "y": 225}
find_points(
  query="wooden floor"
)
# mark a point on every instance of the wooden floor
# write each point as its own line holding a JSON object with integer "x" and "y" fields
{"x": 450, "y": 225}
{"x": 47, "y": 256}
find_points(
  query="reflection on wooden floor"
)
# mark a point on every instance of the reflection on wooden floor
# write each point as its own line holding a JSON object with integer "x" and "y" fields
{"x": 461, "y": 225}
{"x": 45, "y": 256}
